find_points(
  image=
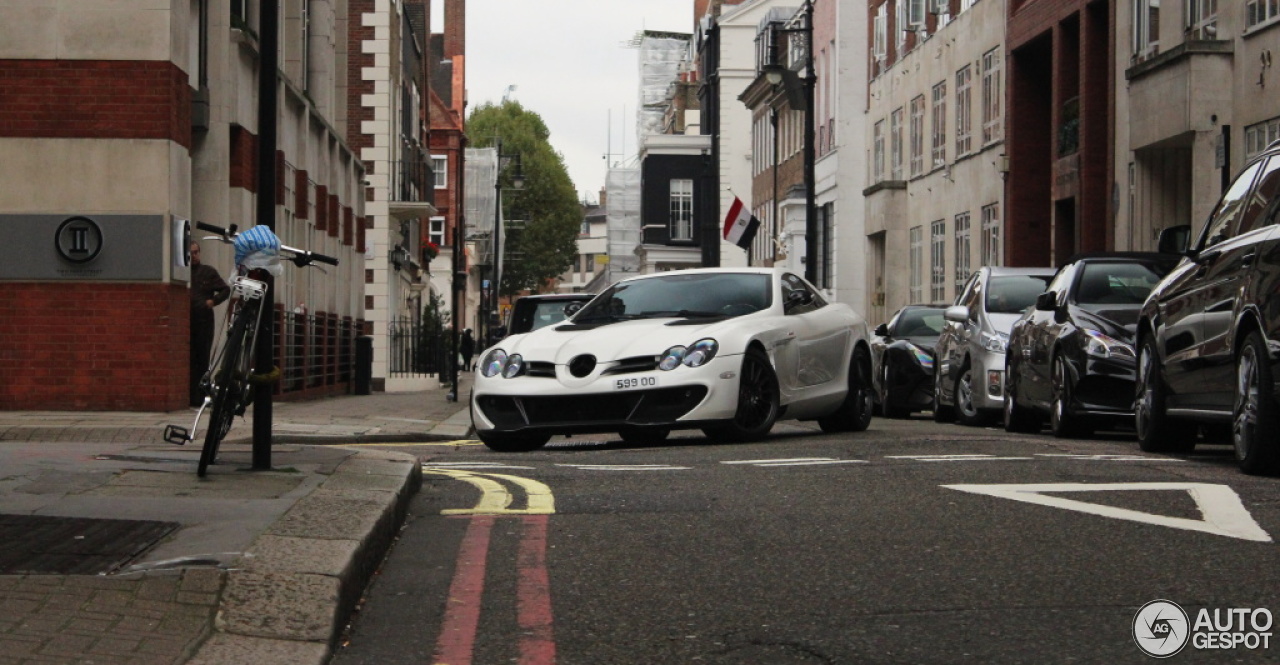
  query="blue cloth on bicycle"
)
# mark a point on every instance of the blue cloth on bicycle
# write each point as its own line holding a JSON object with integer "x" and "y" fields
{"x": 256, "y": 239}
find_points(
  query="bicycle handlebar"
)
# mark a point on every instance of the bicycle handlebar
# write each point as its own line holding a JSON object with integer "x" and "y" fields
{"x": 301, "y": 257}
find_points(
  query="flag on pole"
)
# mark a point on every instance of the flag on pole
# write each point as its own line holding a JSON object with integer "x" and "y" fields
{"x": 740, "y": 225}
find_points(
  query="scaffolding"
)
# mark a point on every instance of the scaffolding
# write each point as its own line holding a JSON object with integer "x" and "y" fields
{"x": 622, "y": 219}
{"x": 661, "y": 55}
{"x": 479, "y": 199}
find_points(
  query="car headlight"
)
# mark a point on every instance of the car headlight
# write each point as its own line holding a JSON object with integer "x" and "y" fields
{"x": 493, "y": 364}
{"x": 701, "y": 352}
{"x": 923, "y": 357}
{"x": 1104, "y": 346}
{"x": 996, "y": 343}
{"x": 672, "y": 358}
{"x": 515, "y": 366}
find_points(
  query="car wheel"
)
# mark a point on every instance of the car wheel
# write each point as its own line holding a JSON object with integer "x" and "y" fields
{"x": 644, "y": 436}
{"x": 1017, "y": 418}
{"x": 1255, "y": 416}
{"x": 854, "y": 414}
{"x": 967, "y": 411}
{"x": 513, "y": 443}
{"x": 942, "y": 413}
{"x": 1063, "y": 423}
{"x": 757, "y": 401}
{"x": 1157, "y": 433}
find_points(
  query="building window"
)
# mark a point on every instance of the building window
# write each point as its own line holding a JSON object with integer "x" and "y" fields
{"x": 1202, "y": 19}
{"x": 440, "y": 168}
{"x": 826, "y": 227}
{"x": 938, "y": 260}
{"x": 917, "y": 264}
{"x": 305, "y": 50}
{"x": 938, "y": 153}
{"x": 435, "y": 231}
{"x": 963, "y": 250}
{"x": 1257, "y": 12}
{"x": 991, "y": 235}
{"x": 681, "y": 222}
{"x": 966, "y": 4}
{"x": 880, "y": 40}
{"x": 1146, "y": 29}
{"x": 992, "y": 98}
{"x": 1258, "y": 137}
{"x": 917, "y": 135}
{"x": 878, "y": 156}
{"x": 964, "y": 112}
{"x": 895, "y": 143}
{"x": 941, "y": 9}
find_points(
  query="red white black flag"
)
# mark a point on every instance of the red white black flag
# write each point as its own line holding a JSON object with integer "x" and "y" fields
{"x": 740, "y": 225}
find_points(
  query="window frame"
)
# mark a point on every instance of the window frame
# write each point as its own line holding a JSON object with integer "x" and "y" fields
{"x": 440, "y": 176}
{"x": 917, "y": 135}
{"x": 680, "y": 210}
{"x": 992, "y": 97}
{"x": 964, "y": 110}
{"x": 938, "y": 149}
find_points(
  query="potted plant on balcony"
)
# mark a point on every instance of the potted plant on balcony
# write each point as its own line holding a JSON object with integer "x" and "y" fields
{"x": 430, "y": 251}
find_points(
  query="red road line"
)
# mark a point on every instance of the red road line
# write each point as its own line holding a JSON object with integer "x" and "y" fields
{"x": 533, "y": 595}
{"x": 462, "y": 611}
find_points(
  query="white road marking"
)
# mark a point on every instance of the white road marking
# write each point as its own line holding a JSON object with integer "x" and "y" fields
{"x": 627, "y": 467}
{"x": 796, "y": 461}
{"x": 955, "y": 458}
{"x": 1111, "y": 458}
{"x": 473, "y": 465}
{"x": 1224, "y": 513}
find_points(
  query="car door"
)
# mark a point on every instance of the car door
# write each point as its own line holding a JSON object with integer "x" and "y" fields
{"x": 1195, "y": 288}
{"x": 1046, "y": 326}
{"x": 955, "y": 336}
{"x": 821, "y": 336}
{"x": 1229, "y": 266}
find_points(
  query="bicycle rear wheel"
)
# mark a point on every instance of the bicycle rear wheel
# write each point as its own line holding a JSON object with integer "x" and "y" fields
{"x": 230, "y": 384}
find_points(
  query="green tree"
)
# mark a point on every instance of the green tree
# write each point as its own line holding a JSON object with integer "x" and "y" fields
{"x": 548, "y": 243}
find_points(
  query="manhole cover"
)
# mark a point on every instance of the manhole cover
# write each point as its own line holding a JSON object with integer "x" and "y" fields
{"x": 41, "y": 545}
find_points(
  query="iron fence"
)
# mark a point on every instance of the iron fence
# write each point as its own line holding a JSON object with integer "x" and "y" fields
{"x": 315, "y": 352}
{"x": 419, "y": 347}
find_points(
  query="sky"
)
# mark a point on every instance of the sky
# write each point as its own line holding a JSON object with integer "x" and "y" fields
{"x": 569, "y": 64}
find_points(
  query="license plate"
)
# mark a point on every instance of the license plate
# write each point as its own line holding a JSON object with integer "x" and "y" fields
{"x": 634, "y": 382}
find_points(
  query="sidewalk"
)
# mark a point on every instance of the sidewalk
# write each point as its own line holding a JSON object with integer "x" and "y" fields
{"x": 113, "y": 551}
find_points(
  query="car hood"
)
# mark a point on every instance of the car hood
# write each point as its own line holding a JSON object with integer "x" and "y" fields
{"x": 924, "y": 342}
{"x": 625, "y": 339}
{"x": 1120, "y": 322}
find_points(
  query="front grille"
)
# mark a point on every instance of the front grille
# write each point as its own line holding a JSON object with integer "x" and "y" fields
{"x": 541, "y": 369}
{"x": 636, "y": 364}
{"x": 638, "y": 407}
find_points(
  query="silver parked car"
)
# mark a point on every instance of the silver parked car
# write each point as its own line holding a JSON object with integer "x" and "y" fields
{"x": 968, "y": 376}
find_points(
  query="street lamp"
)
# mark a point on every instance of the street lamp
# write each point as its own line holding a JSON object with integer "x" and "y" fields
{"x": 777, "y": 73}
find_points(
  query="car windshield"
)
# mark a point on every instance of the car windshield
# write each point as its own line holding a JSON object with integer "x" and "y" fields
{"x": 920, "y": 323}
{"x": 1011, "y": 294}
{"x": 691, "y": 295}
{"x": 1118, "y": 283}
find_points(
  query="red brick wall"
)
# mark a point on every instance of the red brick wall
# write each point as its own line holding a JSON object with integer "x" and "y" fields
{"x": 94, "y": 346}
{"x": 244, "y": 159}
{"x": 357, "y": 34}
{"x": 113, "y": 99}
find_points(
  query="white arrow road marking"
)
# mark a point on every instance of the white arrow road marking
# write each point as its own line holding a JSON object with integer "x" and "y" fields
{"x": 955, "y": 458}
{"x": 795, "y": 461}
{"x": 626, "y": 467}
{"x": 1224, "y": 514}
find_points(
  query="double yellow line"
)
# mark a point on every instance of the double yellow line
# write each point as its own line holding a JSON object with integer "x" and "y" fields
{"x": 494, "y": 497}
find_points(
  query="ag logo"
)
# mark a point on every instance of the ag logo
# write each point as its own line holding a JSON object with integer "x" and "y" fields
{"x": 1161, "y": 628}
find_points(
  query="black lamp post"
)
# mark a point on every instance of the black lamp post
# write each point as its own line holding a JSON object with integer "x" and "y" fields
{"x": 778, "y": 73}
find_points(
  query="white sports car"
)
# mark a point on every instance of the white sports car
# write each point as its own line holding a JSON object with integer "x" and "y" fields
{"x": 725, "y": 350}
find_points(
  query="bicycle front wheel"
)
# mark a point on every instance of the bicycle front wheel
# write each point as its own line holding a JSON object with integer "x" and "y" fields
{"x": 230, "y": 384}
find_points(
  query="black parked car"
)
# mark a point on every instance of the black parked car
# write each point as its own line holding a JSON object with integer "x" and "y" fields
{"x": 1072, "y": 355}
{"x": 1209, "y": 336}
{"x": 902, "y": 359}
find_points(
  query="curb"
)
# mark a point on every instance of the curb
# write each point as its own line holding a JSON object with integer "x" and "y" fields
{"x": 300, "y": 581}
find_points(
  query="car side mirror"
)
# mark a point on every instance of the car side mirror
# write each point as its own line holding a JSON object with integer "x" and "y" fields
{"x": 881, "y": 330}
{"x": 1047, "y": 301}
{"x": 1175, "y": 239}
{"x": 798, "y": 298}
{"x": 956, "y": 314}
{"x": 572, "y": 308}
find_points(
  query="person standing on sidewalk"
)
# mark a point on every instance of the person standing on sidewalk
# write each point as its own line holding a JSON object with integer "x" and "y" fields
{"x": 466, "y": 347}
{"x": 208, "y": 290}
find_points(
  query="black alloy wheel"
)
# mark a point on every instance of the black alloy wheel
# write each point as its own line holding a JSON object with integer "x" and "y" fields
{"x": 758, "y": 401}
{"x": 854, "y": 414}
{"x": 1157, "y": 433}
{"x": 1256, "y": 415}
{"x": 1062, "y": 421}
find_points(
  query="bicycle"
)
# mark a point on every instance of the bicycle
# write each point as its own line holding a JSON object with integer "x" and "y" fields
{"x": 228, "y": 383}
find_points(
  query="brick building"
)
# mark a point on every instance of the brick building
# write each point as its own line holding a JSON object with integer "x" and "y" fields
{"x": 117, "y": 124}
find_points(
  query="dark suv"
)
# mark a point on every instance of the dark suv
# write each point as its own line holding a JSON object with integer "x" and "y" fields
{"x": 1209, "y": 334}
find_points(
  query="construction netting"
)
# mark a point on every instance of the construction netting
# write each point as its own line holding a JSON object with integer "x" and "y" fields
{"x": 661, "y": 54}
{"x": 622, "y": 217}
{"x": 479, "y": 172}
